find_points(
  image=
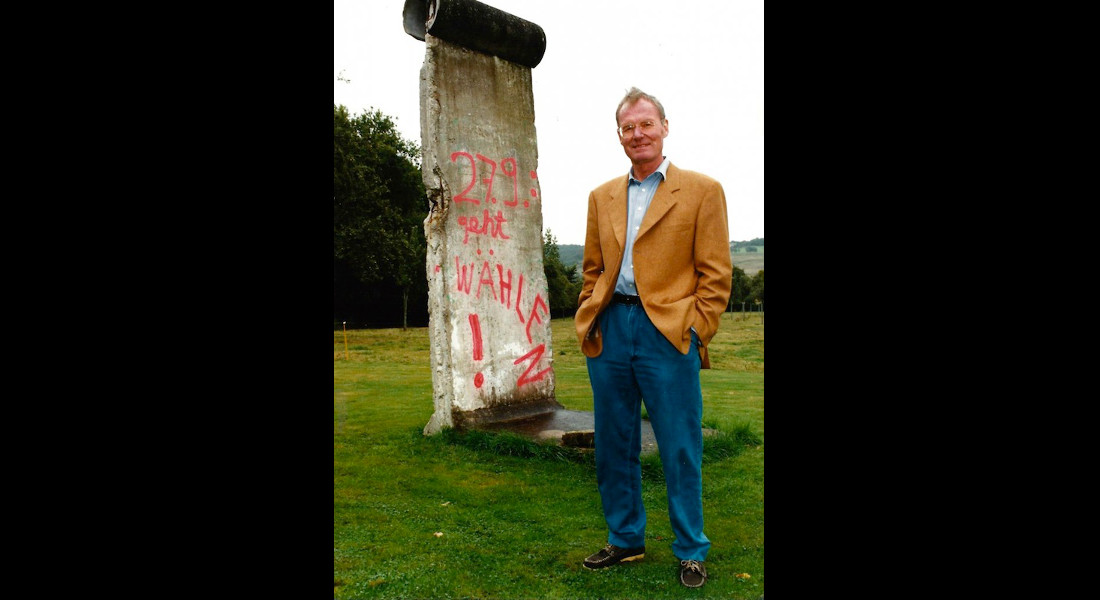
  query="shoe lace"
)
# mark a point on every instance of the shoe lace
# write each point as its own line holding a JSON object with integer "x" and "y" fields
{"x": 692, "y": 565}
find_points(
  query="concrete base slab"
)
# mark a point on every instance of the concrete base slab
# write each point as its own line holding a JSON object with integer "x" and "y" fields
{"x": 566, "y": 427}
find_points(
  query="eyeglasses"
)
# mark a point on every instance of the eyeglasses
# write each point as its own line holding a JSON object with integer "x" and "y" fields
{"x": 628, "y": 129}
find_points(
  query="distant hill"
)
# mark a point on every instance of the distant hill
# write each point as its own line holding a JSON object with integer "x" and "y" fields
{"x": 571, "y": 254}
{"x": 749, "y": 255}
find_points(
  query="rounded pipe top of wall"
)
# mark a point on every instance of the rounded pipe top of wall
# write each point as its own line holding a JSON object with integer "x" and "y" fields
{"x": 476, "y": 26}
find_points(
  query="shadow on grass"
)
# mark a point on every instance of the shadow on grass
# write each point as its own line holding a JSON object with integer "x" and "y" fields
{"x": 718, "y": 445}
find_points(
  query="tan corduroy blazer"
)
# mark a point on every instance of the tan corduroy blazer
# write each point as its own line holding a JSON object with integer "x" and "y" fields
{"x": 681, "y": 259}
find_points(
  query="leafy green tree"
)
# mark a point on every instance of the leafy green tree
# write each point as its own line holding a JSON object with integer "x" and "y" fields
{"x": 739, "y": 290}
{"x": 377, "y": 216}
{"x": 561, "y": 281}
{"x": 749, "y": 243}
{"x": 757, "y": 286}
{"x": 410, "y": 270}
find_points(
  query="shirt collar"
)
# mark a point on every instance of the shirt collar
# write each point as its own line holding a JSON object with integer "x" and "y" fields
{"x": 663, "y": 170}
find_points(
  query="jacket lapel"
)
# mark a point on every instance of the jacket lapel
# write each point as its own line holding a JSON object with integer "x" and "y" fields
{"x": 618, "y": 213}
{"x": 662, "y": 201}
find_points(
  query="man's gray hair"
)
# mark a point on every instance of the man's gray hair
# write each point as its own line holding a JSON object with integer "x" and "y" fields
{"x": 634, "y": 95}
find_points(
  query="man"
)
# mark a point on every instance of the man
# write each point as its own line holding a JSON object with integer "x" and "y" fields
{"x": 657, "y": 276}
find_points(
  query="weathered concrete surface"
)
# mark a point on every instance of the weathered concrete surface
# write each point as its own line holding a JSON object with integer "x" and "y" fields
{"x": 491, "y": 352}
{"x": 573, "y": 428}
{"x": 586, "y": 438}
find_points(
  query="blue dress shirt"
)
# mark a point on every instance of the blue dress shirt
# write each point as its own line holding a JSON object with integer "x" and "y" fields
{"x": 638, "y": 195}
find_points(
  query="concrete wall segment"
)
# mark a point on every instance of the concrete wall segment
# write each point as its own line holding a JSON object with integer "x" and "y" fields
{"x": 492, "y": 355}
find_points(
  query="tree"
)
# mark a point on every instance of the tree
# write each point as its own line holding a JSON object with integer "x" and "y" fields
{"x": 561, "y": 281}
{"x": 377, "y": 218}
{"x": 757, "y": 286}
{"x": 409, "y": 269}
{"x": 747, "y": 244}
{"x": 739, "y": 290}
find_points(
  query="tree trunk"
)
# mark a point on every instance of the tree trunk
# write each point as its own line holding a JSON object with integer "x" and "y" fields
{"x": 405, "y": 308}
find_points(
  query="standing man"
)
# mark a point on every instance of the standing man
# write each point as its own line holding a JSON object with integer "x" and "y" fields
{"x": 657, "y": 277}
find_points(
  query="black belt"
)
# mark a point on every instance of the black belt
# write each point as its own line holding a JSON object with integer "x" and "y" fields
{"x": 624, "y": 299}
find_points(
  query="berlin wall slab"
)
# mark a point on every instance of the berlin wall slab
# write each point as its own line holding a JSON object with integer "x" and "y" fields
{"x": 489, "y": 321}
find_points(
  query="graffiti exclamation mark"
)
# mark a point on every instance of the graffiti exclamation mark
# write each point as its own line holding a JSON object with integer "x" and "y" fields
{"x": 475, "y": 329}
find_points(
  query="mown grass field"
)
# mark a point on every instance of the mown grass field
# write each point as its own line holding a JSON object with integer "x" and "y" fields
{"x": 479, "y": 516}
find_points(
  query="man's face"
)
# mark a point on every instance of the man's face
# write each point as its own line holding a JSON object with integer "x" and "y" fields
{"x": 643, "y": 144}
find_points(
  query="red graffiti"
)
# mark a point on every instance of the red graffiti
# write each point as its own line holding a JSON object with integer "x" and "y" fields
{"x": 507, "y": 166}
{"x": 519, "y": 294}
{"x": 534, "y": 192}
{"x": 464, "y": 278}
{"x": 489, "y": 181}
{"x": 475, "y": 331}
{"x": 515, "y": 182}
{"x": 536, "y": 352}
{"x": 493, "y": 226}
{"x": 461, "y": 196}
{"x": 535, "y": 314}
{"x": 486, "y": 279}
{"x": 506, "y": 286}
{"x": 524, "y": 377}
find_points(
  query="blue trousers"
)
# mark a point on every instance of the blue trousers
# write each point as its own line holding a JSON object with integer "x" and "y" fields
{"x": 638, "y": 364}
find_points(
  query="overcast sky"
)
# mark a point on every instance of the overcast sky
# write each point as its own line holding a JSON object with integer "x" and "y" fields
{"x": 703, "y": 59}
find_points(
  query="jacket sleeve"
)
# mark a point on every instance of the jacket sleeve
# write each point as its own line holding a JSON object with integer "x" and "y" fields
{"x": 712, "y": 262}
{"x": 592, "y": 267}
{"x": 592, "y": 261}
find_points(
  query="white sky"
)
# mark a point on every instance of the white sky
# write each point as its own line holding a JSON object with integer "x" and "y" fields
{"x": 703, "y": 59}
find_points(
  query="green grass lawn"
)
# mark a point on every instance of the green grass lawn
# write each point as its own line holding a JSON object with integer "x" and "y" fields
{"x": 518, "y": 523}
